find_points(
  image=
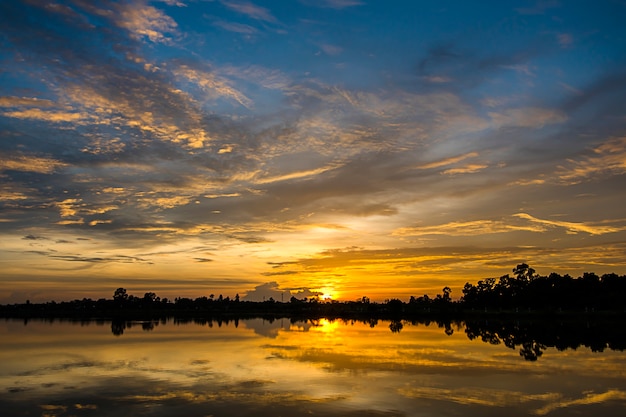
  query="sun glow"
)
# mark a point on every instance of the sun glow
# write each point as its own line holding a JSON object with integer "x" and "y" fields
{"x": 328, "y": 293}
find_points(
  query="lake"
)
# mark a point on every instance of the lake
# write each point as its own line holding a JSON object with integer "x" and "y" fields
{"x": 261, "y": 368}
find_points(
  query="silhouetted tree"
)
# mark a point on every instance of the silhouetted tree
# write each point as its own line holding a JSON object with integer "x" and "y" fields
{"x": 120, "y": 295}
{"x": 523, "y": 272}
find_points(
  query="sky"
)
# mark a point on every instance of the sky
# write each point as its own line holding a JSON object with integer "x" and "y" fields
{"x": 340, "y": 148}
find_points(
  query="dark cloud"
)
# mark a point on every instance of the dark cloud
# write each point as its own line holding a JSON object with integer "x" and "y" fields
{"x": 33, "y": 237}
{"x": 264, "y": 292}
{"x": 116, "y": 258}
{"x": 203, "y": 260}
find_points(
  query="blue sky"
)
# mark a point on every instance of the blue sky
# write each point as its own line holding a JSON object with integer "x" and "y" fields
{"x": 343, "y": 147}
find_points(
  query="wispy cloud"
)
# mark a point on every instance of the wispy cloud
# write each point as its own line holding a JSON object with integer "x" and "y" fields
{"x": 470, "y": 228}
{"x": 531, "y": 117}
{"x": 48, "y": 116}
{"x": 607, "y": 159}
{"x": 573, "y": 227}
{"x": 9, "y": 101}
{"x": 448, "y": 161}
{"x": 236, "y": 27}
{"x": 333, "y": 4}
{"x": 467, "y": 169}
{"x": 212, "y": 84}
{"x": 587, "y": 399}
{"x": 251, "y": 10}
{"x": 295, "y": 175}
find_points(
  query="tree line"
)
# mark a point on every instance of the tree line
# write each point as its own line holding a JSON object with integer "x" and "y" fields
{"x": 522, "y": 292}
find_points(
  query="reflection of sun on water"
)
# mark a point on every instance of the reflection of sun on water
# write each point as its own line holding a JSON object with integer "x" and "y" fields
{"x": 325, "y": 326}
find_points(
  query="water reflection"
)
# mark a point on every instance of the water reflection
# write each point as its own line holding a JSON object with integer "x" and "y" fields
{"x": 290, "y": 368}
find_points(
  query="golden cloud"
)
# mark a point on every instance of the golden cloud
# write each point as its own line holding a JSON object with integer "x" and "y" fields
{"x": 609, "y": 158}
{"x": 573, "y": 228}
{"x": 31, "y": 164}
{"x": 48, "y": 116}
{"x": 145, "y": 21}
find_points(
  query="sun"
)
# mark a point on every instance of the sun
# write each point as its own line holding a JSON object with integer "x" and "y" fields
{"x": 328, "y": 293}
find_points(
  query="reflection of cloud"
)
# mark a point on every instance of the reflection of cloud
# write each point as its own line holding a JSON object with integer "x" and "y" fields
{"x": 471, "y": 396}
{"x": 587, "y": 399}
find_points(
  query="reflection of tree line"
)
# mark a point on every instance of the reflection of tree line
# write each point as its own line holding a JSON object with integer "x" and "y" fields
{"x": 531, "y": 337}
{"x": 534, "y": 337}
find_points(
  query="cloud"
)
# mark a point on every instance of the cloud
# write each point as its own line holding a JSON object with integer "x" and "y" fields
{"x": 212, "y": 84}
{"x": 565, "y": 40}
{"x": 540, "y": 7}
{"x": 467, "y": 169}
{"x": 33, "y": 237}
{"x": 25, "y": 163}
{"x": 529, "y": 117}
{"x": 9, "y": 101}
{"x": 533, "y": 224}
{"x": 448, "y": 161}
{"x": 48, "y": 116}
{"x": 606, "y": 159}
{"x": 571, "y": 227}
{"x": 236, "y": 27}
{"x": 265, "y": 291}
{"x": 296, "y": 175}
{"x": 251, "y": 10}
{"x": 144, "y": 21}
{"x": 108, "y": 259}
{"x": 203, "y": 260}
{"x": 470, "y": 228}
{"x": 331, "y": 49}
{"x": 333, "y": 4}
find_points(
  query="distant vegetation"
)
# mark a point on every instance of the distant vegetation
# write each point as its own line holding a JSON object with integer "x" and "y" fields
{"x": 522, "y": 293}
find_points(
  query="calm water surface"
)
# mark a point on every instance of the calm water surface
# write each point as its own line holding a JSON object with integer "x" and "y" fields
{"x": 258, "y": 368}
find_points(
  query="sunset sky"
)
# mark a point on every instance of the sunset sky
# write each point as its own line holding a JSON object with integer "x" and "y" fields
{"x": 343, "y": 147}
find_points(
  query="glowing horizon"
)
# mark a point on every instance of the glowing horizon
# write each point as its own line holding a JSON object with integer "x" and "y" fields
{"x": 346, "y": 148}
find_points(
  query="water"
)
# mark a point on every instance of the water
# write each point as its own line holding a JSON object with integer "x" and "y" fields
{"x": 258, "y": 368}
